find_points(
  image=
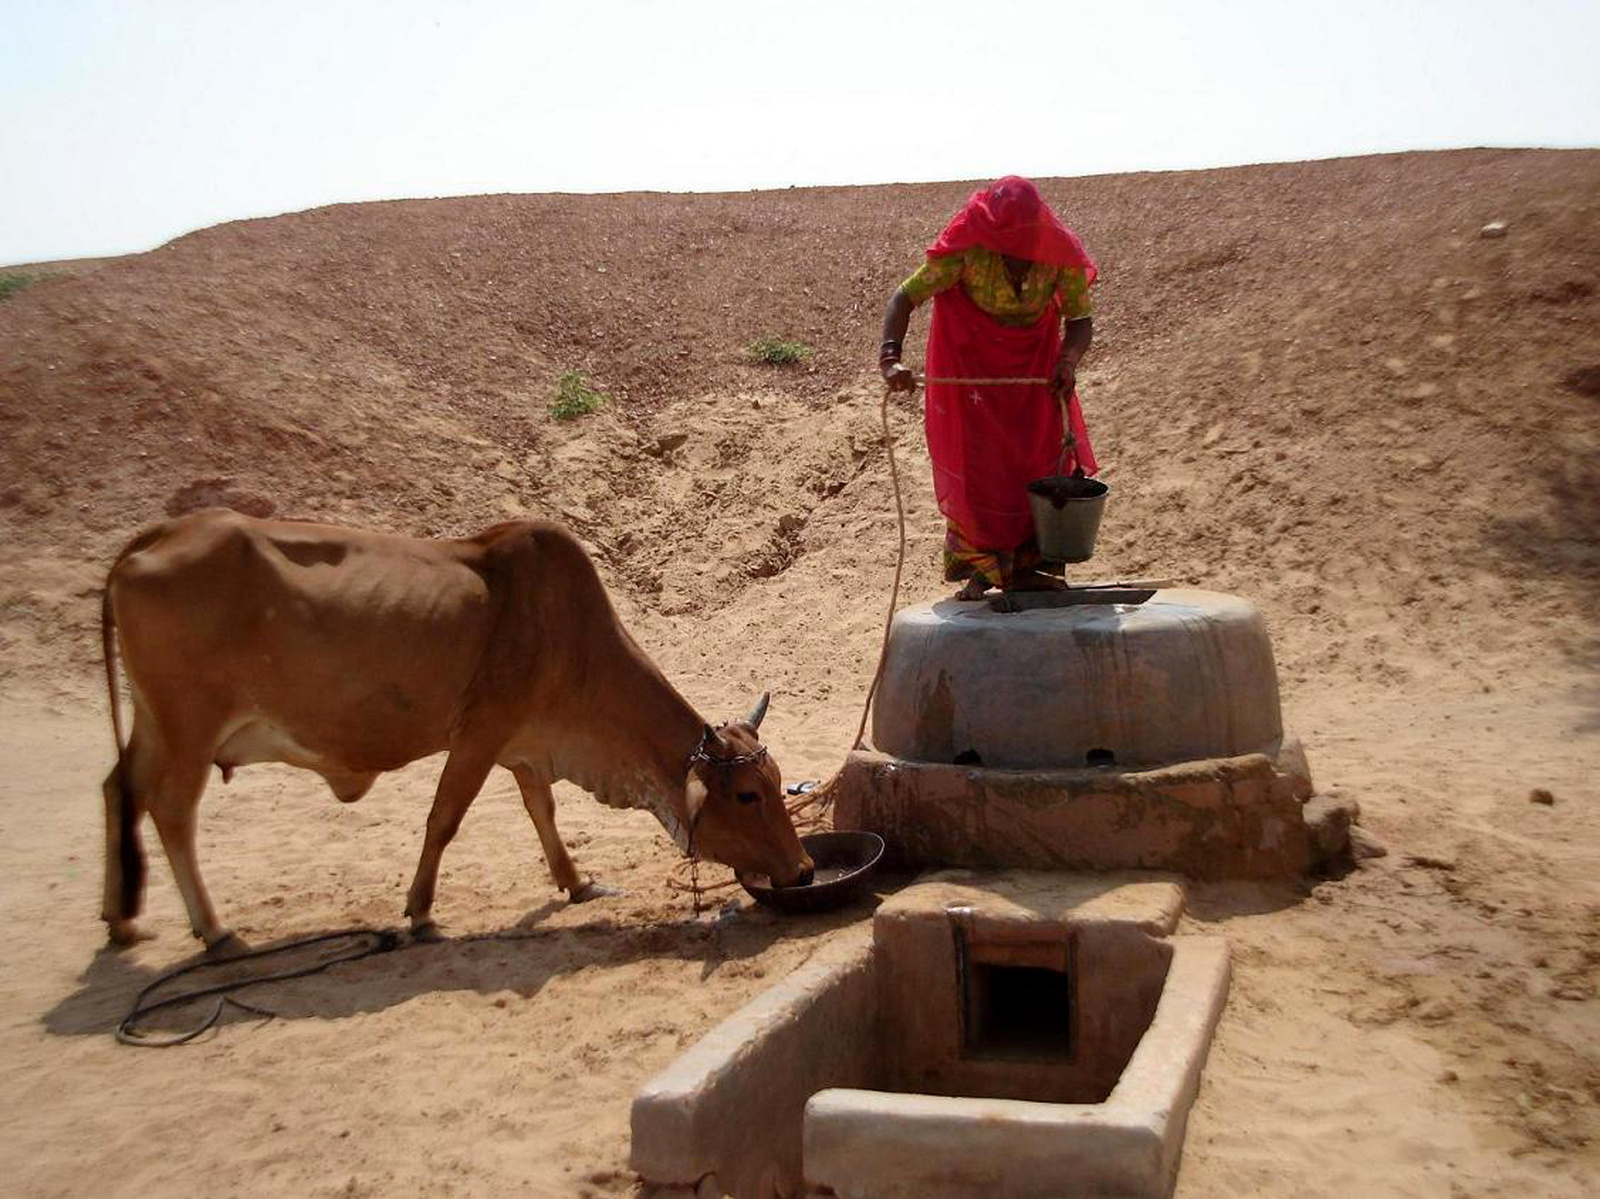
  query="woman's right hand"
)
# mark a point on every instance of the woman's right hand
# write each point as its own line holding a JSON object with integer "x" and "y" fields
{"x": 898, "y": 377}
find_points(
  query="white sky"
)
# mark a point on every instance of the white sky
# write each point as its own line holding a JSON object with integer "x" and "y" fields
{"x": 126, "y": 122}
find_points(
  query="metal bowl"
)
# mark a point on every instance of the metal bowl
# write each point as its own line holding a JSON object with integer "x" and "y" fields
{"x": 845, "y": 862}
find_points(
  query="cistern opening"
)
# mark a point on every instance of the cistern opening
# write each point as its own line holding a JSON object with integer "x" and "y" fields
{"x": 1018, "y": 1012}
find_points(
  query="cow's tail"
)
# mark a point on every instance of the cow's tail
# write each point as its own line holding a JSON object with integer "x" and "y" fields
{"x": 125, "y": 879}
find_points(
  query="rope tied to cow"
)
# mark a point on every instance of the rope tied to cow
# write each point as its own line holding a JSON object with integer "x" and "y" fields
{"x": 813, "y": 809}
{"x": 128, "y": 1033}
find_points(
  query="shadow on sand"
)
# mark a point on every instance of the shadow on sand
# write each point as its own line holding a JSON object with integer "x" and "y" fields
{"x": 520, "y": 960}
{"x": 1560, "y": 544}
{"x": 1219, "y": 902}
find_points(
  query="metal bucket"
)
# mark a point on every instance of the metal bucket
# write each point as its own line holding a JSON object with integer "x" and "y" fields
{"x": 1066, "y": 515}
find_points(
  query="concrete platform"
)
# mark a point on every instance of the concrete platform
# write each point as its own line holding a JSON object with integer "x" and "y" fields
{"x": 1242, "y": 817}
{"x": 1016, "y": 1034}
{"x": 1186, "y": 676}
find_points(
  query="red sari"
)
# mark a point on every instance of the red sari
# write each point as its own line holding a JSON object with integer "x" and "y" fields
{"x": 988, "y": 442}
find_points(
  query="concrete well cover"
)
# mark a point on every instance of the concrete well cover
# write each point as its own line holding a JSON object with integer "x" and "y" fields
{"x": 859, "y": 1071}
{"x": 1187, "y": 675}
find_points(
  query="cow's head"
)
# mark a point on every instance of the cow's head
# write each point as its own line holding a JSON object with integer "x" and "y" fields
{"x": 734, "y": 797}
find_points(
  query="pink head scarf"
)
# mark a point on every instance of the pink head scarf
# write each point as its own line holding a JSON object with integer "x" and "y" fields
{"x": 1011, "y": 217}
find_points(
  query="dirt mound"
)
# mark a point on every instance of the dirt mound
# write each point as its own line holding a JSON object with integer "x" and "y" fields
{"x": 1312, "y": 382}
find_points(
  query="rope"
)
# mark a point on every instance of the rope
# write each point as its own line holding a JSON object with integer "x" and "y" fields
{"x": 1025, "y": 381}
{"x": 808, "y": 811}
{"x": 899, "y": 568}
{"x": 684, "y": 877}
{"x": 813, "y": 809}
{"x": 381, "y": 941}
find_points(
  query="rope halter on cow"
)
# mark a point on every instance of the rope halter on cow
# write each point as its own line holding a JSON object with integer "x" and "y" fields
{"x": 702, "y": 753}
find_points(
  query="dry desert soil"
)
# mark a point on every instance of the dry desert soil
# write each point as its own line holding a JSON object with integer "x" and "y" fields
{"x": 1316, "y": 385}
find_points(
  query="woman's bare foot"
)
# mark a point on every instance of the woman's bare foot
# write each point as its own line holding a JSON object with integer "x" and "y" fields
{"x": 974, "y": 590}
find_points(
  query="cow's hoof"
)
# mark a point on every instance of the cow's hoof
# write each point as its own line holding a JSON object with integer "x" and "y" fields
{"x": 122, "y": 933}
{"x": 426, "y": 931}
{"x": 228, "y": 945}
{"x": 589, "y": 889}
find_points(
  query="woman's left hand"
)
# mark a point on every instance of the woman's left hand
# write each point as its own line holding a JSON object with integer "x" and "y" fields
{"x": 1065, "y": 379}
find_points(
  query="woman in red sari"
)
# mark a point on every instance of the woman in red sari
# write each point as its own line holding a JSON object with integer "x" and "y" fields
{"x": 1010, "y": 285}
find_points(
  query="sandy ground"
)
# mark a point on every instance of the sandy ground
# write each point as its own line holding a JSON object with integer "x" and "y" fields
{"x": 1314, "y": 384}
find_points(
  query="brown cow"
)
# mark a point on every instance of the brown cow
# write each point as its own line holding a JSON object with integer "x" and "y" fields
{"x": 350, "y": 653}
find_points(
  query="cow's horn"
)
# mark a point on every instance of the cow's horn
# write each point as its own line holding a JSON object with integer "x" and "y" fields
{"x": 759, "y": 712}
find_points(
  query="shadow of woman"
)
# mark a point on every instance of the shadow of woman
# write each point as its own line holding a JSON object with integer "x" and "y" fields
{"x": 1557, "y": 544}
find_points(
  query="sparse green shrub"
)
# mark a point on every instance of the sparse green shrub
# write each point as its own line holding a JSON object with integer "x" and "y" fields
{"x": 574, "y": 397}
{"x": 12, "y": 282}
{"x": 776, "y": 352}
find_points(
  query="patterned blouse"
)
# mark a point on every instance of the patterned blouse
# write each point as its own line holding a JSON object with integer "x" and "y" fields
{"x": 982, "y": 274}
